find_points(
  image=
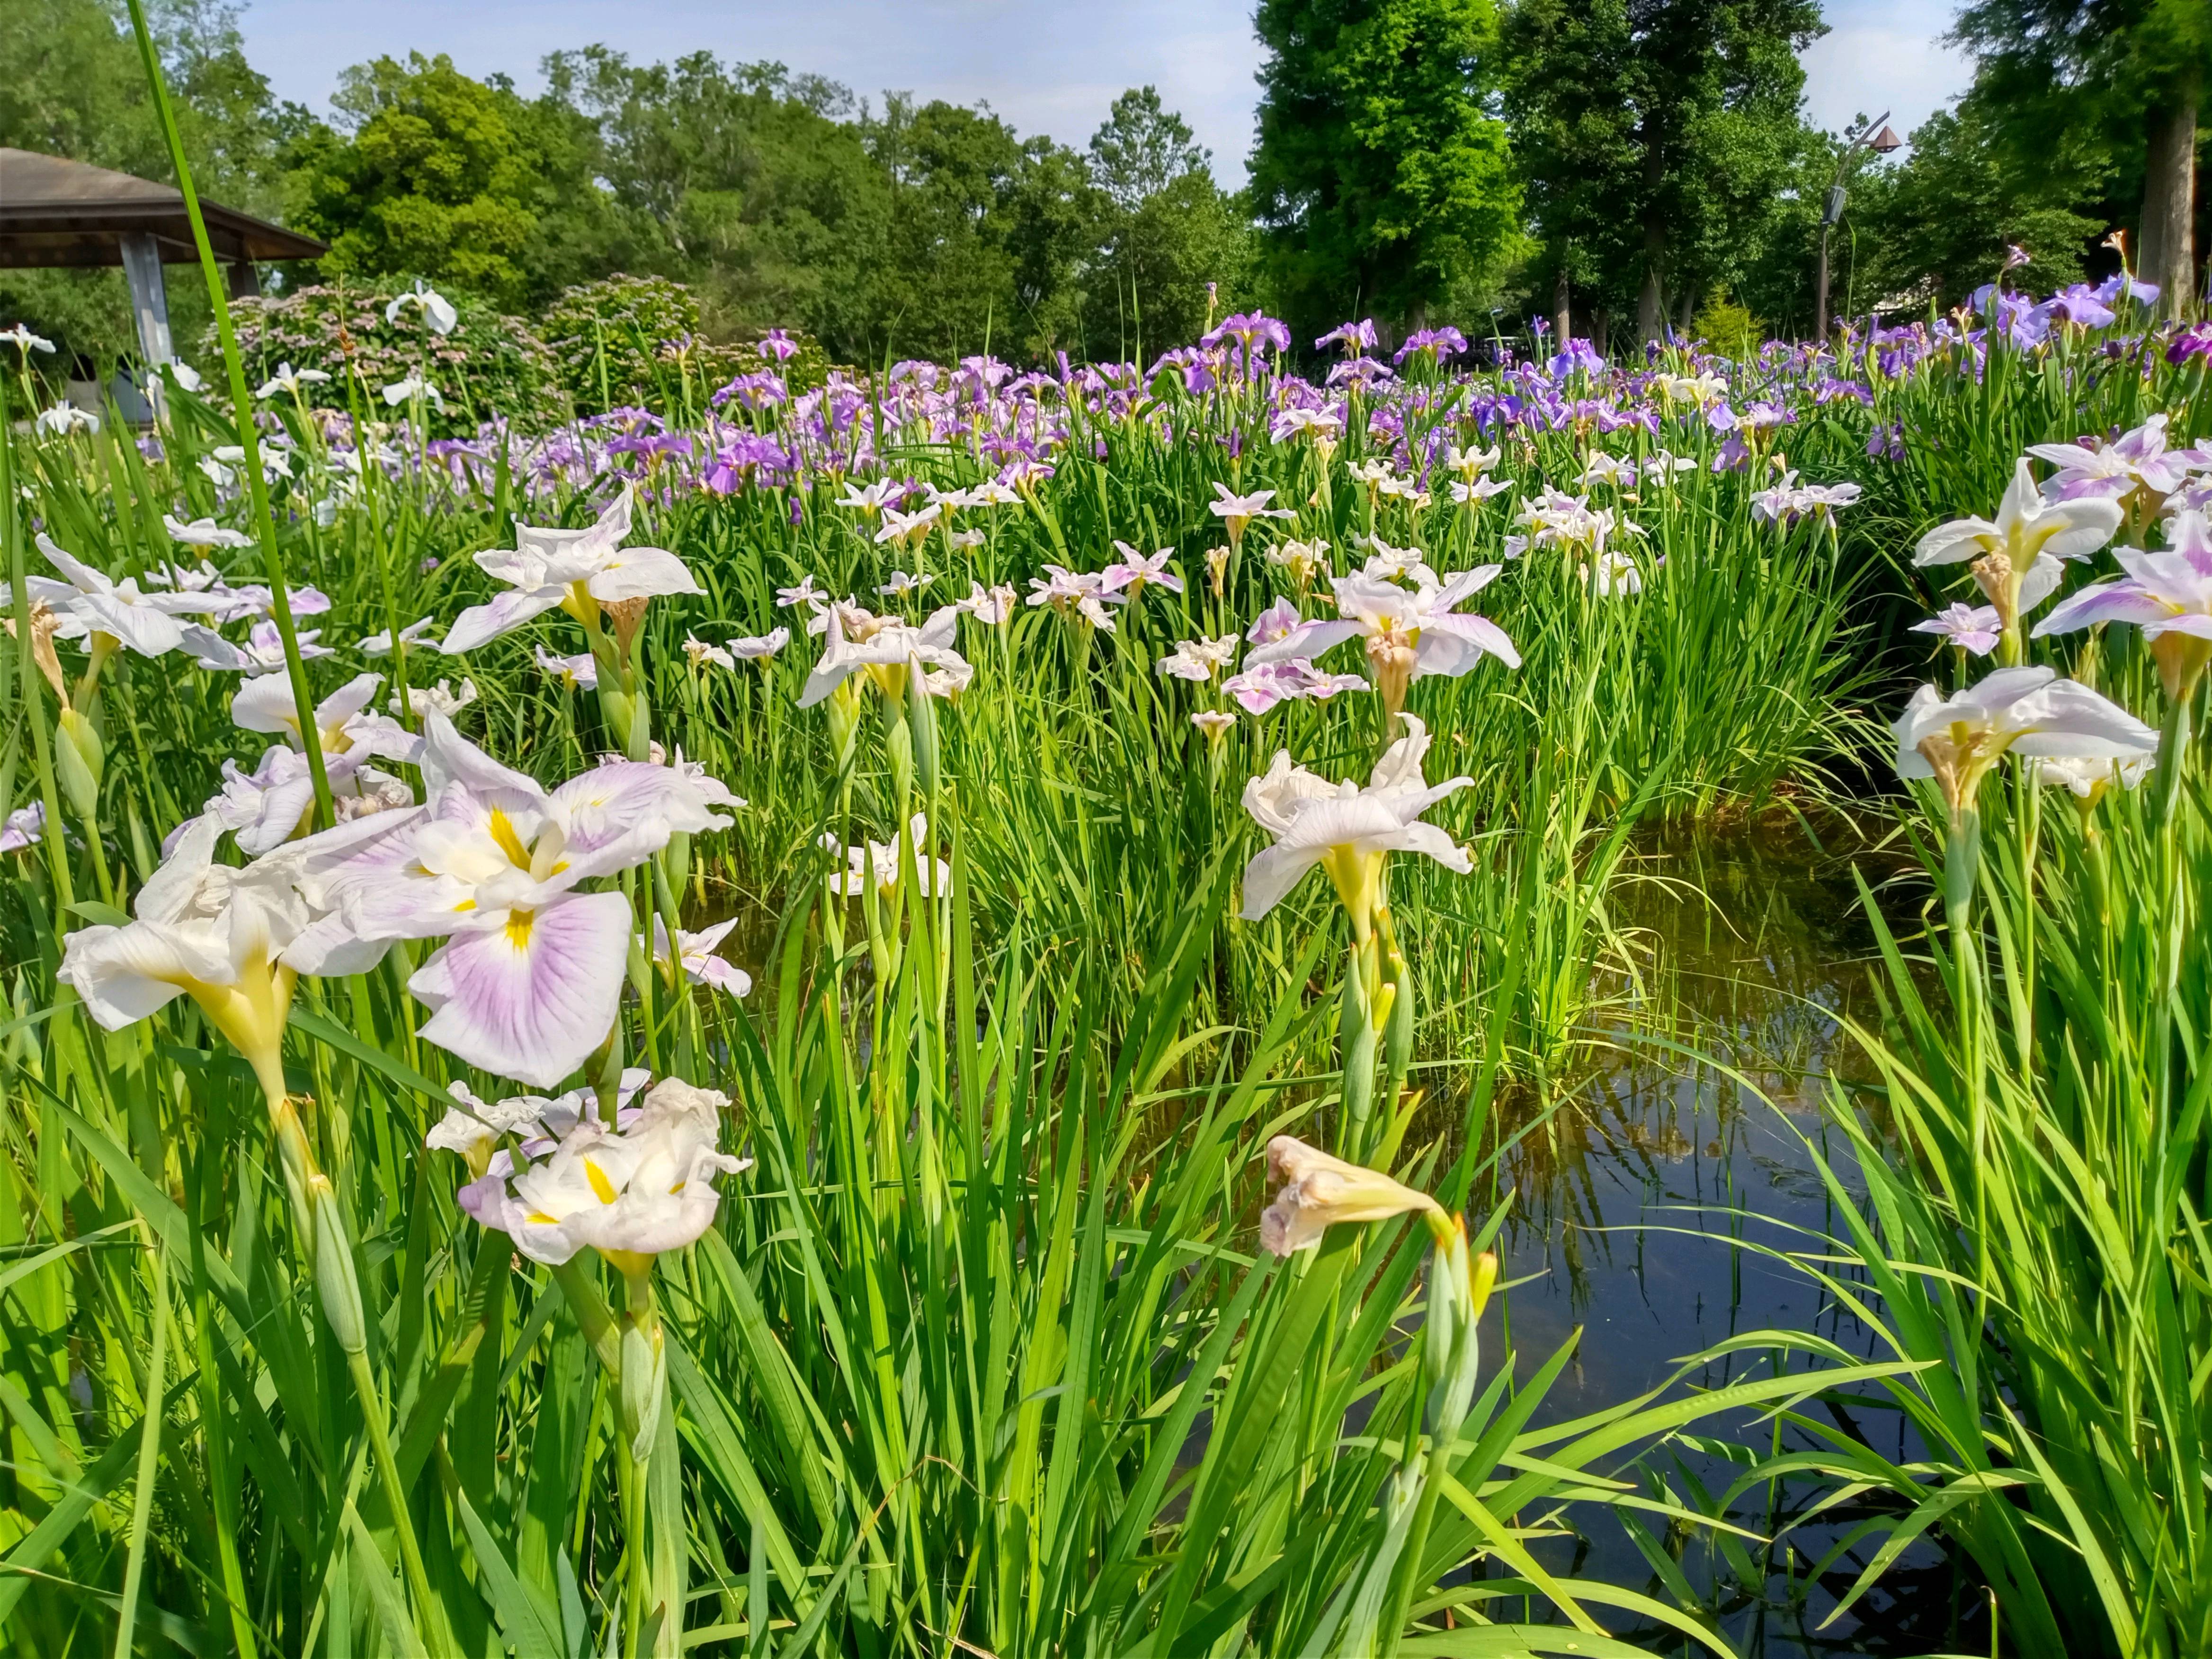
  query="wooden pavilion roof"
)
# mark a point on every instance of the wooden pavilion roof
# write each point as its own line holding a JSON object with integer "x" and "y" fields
{"x": 57, "y": 212}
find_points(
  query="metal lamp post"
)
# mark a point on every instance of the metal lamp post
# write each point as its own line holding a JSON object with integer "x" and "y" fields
{"x": 1878, "y": 137}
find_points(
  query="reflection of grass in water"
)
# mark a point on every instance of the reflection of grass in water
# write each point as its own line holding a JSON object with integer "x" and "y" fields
{"x": 1748, "y": 947}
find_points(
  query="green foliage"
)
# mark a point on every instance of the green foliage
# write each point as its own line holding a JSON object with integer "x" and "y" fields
{"x": 490, "y": 363}
{"x": 2049, "y": 148}
{"x": 437, "y": 178}
{"x": 753, "y": 186}
{"x": 1380, "y": 170}
{"x": 2076, "y": 80}
{"x": 988, "y": 1295}
{"x": 1166, "y": 232}
{"x": 1932, "y": 231}
{"x": 1658, "y": 143}
{"x": 635, "y": 340}
{"x": 1726, "y": 327}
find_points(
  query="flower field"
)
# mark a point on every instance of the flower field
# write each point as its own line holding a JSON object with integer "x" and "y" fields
{"x": 885, "y": 1018}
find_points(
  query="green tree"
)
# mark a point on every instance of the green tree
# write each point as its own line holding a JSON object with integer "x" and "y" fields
{"x": 1141, "y": 148}
{"x": 2117, "y": 80}
{"x": 74, "y": 87}
{"x": 435, "y": 174}
{"x": 1380, "y": 170}
{"x": 1659, "y": 141}
{"x": 1168, "y": 231}
{"x": 752, "y": 185}
{"x": 1935, "y": 229}
{"x": 988, "y": 234}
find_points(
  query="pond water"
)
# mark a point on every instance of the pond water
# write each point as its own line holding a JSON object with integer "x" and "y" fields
{"x": 1748, "y": 946}
{"x": 1631, "y": 1194}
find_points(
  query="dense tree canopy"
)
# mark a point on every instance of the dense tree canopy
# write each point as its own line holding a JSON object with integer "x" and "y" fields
{"x": 2113, "y": 87}
{"x": 439, "y": 172}
{"x": 1382, "y": 169}
{"x": 1630, "y": 162}
{"x": 1660, "y": 140}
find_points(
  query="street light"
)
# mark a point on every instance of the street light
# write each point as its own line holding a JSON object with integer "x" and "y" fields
{"x": 1880, "y": 137}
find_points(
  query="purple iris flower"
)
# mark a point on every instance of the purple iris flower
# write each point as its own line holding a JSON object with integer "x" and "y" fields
{"x": 2080, "y": 306}
{"x": 1249, "y": 330}
{"x": 1365, "y": 372}
{"x": 1974, "y": 629}
{"x": 745, "y": 453}
{"x": 2194, "y": 340}
{"x": 983, "y": 373}
{"x": 1447, "y": 342}
{"x": 2121, "y": 285}
{"x": 1354, "y": 337}
{"x": 2011, "y": 315}
{"x": 1578, "y": 353}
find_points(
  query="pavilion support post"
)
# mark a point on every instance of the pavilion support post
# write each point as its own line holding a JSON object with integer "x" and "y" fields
{"x": 245, "y": 281}
{"x": 149, "y": 308}
{"x": 150, "y": 300}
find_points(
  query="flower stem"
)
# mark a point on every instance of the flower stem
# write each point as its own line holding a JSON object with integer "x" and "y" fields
{"x": 257, "y": 485}
{"x": 11, "y": 530}
{"x": 633, "y": 1554}
{"x": 1962, "y": 855}
{"x": 430, "y": 1614}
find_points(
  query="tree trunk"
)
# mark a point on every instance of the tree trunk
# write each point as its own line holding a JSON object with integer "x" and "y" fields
{"x": 1562, "y": 316}
{"x": 1651, "y": 303}
{"x": 2169, "y": 254}
{"x": 1689, "y": 308}
{"x": 1600, "y": 330}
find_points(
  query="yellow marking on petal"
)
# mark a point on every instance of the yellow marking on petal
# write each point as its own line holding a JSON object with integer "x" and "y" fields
{"x": 600, "y": 1184}
{"x": 503, "y": 832}
{"x": 518, "y": 929}
{"x": 466, "y": 904}
{"x": 676, "y": 1189}
{"x": 543, "y": 1219}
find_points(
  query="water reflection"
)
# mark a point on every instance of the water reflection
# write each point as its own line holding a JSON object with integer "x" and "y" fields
{"x": 1635, "y": 1191}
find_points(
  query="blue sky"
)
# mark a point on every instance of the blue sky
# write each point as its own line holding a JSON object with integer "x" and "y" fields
{"x": 1047, "y": 65}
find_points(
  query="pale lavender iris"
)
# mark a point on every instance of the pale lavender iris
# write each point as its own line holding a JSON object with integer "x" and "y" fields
{"x": 2168, "y": 595}
{"x": 2136, "y": 460}
{"x": 530, "y": 979}
{"x": 576, "y": 570}
{"x": 1409, "y": 635}
{"x": 1973, "y": 628}
{"x": 1354, "y": 337}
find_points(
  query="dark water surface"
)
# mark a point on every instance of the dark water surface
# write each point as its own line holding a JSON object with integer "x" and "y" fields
{"x": 1631, "y": 1198}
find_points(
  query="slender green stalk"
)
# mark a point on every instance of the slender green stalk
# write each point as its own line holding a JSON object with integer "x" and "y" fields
{"x": 33, "y": 699}
{"x": 149, "y": 1456}
{"x": 249, "y": 440}
{"x": 430, "y": 1614}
